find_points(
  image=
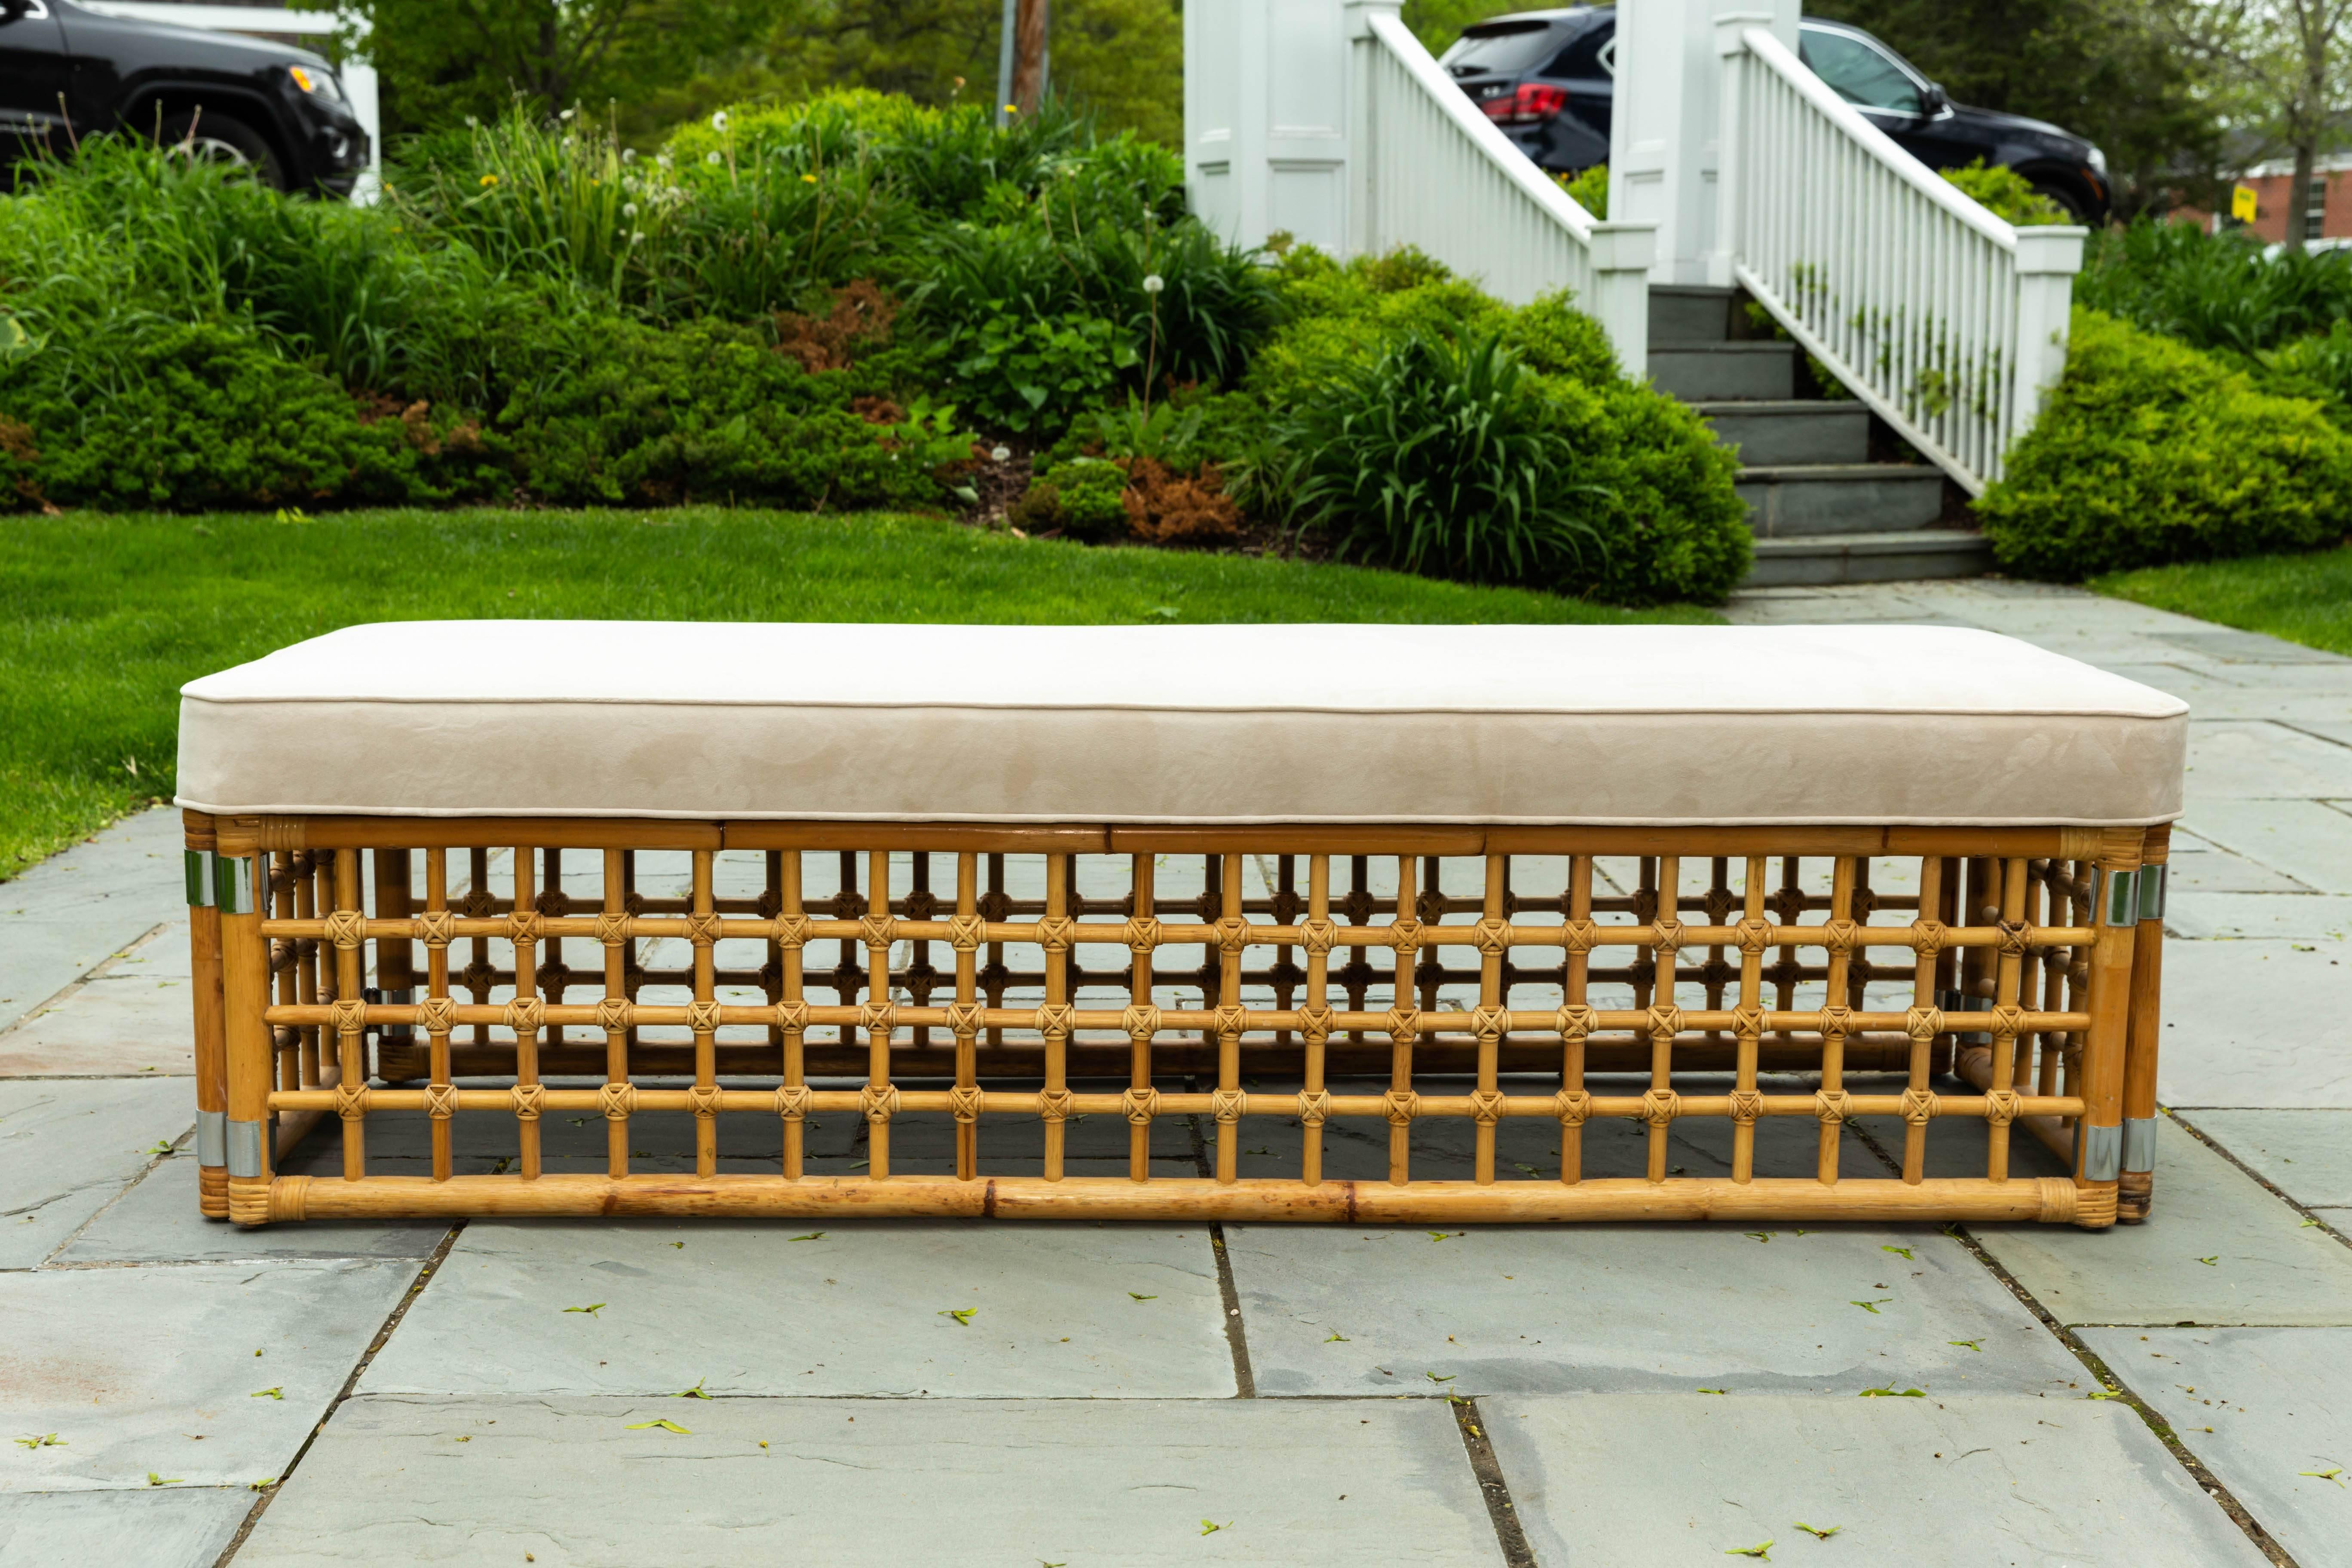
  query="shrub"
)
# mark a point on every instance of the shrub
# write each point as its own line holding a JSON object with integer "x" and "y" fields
{"x": 2318, "y": 367}
{"x": 2007, "y": 195}
{"x": 2148, "y": 452}
{"x": 1083, "y": 498}
{"x": 2215, "y": 291}
{"x": 1589, "y": 189}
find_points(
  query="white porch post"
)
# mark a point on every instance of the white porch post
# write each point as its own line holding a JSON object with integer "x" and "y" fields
{"x": 1267, "y": 119}
{"x": 2047, "y": 260}
{"x": 1662, "y": 143}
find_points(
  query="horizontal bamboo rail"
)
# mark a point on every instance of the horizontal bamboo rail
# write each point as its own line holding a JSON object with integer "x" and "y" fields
{"x": 1583, "y": 1000}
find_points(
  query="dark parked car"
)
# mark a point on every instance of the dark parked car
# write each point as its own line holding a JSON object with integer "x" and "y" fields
{"x": 1545, "y": 77}
{"x": 66, "y": 73}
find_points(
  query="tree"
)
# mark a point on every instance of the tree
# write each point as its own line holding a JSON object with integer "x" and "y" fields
{"x": 2288, "y": 66}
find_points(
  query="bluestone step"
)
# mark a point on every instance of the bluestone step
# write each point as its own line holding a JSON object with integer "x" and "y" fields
{"x": 1805, "y": 500}
{"x": 1769, "y": 433}
{"x": 1689, "y": 313}
{"x": 1900, "y": 556}
{"x": 1703, "y": 370}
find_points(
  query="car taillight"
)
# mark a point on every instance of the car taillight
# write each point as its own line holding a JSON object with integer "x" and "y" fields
{"x": 1532, "y": 102}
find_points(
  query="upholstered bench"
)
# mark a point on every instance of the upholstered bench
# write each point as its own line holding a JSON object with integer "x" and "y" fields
{"x": 1347, "y": 922}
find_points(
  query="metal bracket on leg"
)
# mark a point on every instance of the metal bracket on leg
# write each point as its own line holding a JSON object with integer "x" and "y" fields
{"x": 233, "y": 884}
{"x": 204, "y": 878}
{"x": 2139, "y": 1143}
{"x": 212, "y": 1138}
{"x": 244, "y": 1149}
{"x": 2102, "y": 1151}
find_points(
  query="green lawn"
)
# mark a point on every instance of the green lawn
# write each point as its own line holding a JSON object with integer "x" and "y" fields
{"x": 2303, "y": 598}
{"x": 103, "y": 617}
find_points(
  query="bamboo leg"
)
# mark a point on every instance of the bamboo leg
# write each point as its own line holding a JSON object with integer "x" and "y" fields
{"x": 1576, "y": 975}
{"x": 1053, "y": 1102}
{"x": 2098, "y": 1145}
{"x": 1668, "y": 872}
{"x": 211, "y": 1039}
{"x": 1923, "y": 997}
{"x": 297, "y": 1048}
{"x": 616, "y": 1027}
{"x": 437, "y": 988}
{"x": 2135, "y": 1191}
{"x": 1316, "y": 1006}
{"x": 245, "y": 995}
{"x": 1401, "y": 1029}
{"x": 1834, "y": 997}
{"x": 1749, "y": 1028}
{"x": 350, "y": 1063}
{"x": 790, "y": 955}
{"x": 395, "y": 967}
{"x": 1139, "y": 998}
{"x": 1228, "y": 960}
{"x": 1491, "y": 999}
{"x": 705, "y": 1018}
{"x": 879, "y": 1028}
{"x": 526, "y": 1035}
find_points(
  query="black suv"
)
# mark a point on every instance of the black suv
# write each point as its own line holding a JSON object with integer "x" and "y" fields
{"x": 66, "y": 73}
{"x": 1546, "y": 79}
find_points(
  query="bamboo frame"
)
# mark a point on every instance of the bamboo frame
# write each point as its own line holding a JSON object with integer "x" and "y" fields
{"x": 1458, "y": 1006}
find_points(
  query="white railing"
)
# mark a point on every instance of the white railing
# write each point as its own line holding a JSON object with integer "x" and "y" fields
{"x": 358, "y": 77}
{"x": 1948, "y": 321}
{"x": 1429, "y": 170}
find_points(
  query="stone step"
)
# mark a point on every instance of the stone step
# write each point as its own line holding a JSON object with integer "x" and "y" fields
{"x": 1709, "y": 372}
{"x": 1803, "y": 430}
{"x": 1800, "y": 501}
{"x": 1690, "y": 314}
{"x": 1905, "y": 556}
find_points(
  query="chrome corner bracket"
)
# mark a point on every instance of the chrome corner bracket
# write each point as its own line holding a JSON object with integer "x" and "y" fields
{"x": 2139, "y": 1143}
{"x": 2152, "y": 881}
{"x": 233, "y": 884}
{"x": 2102, "y": 1149}
{"x": 212, "y": 1137}
{"x": 244, "y": 1148}
{"x": 202, "y": 878}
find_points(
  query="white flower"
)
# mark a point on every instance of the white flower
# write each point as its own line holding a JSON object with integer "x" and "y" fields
{"x": 1152, "y": 285}
{"x": 712, "y": 157}
{"x": 637, "y": 237}
{"x": 663, "y": 159}
{"x": 567, "y": 114}
{"x": 628, "y": 209}
{"x": 628, "y": 154}
{"x": 1000, "y": 454}
{"x": 718, "y": 120}
{"x": 472, "y": 121}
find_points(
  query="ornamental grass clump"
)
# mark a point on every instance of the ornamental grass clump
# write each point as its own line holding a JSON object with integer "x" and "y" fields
{"x": 1439, "y": 457}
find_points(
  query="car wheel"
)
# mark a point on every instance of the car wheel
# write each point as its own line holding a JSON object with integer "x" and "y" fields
{"x": 219, "y": 138}
{"x": 2070, "y": 201}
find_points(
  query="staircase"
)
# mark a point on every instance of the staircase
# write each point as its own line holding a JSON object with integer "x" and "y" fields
{"x": 1821, "y": 510}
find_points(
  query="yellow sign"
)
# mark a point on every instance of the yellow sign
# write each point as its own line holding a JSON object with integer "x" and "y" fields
{"x": 2242, "y": 206}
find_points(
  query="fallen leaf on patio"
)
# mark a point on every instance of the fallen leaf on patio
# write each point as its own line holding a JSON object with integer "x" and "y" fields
{"x": 1209, "y": 1529}
{"x": 1758, "y": 1235}
{"x": 163, "y": 1146}
{"x": 461, "y": 1439}
{"x": 46, "y": 1440}
{"x": 2212, "y": 1262}
{"x": 1903, "y": 1252}
{"x": 263, "y": 1485}
{"x": 664, "y": 1425}
{"x": 694, "y": 1393}
{"x": 1449, "y": 1377}
{"x": 2334, "y": 1473}
{"x": 1763, "y": 1550}
{"x": 1871, "y": 1307}
{"x": 1526, "y": 1170}
{"x": 267, "y": 1394}
{"x": 1892, "y": 1393}
{"x": 2308, "y": 1224}
{"x": 1976, "y": 1345}
{"x": 961, "y": 1314}
{"x": 1143, "y": 1298}
{"x": 812, "y": 1235}
{"x": 1336, "y": 1339}
{"x": 592, "y": 1310}
{"x": 1444, "y": 1234}
{"x": 680, "y": 1245}
{"x": 2104, "y": 1394}
{"x": 1817, "y": 1534}
{"x": 155, "y": 1480}
{"x": 1714, "y": 1390}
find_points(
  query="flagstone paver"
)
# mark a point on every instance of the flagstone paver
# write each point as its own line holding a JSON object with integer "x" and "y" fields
{"x": 157, "y": 1221}
{"x": 2268, "y": 1410}
{"x": 67, "y": 1147}
{"x": 1678, "y": 1478}
{"x": 71, "y": 911}
{"x": 159, "y": 1527}
{"x": 2306, "y": 1154}
{"x": 885, "y": 1483}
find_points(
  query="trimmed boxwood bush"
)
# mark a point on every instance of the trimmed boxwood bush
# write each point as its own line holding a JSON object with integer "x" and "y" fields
{"x": 2149, "y": 452}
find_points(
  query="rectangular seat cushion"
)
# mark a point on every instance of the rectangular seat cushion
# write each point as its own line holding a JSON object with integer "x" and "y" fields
{"x": 1213, "y": 725}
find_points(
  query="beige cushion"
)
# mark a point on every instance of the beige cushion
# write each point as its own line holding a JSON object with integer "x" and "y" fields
{"x": 1636, "y": 725}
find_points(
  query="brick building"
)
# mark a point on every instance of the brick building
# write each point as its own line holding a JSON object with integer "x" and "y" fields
{"x": 2330, "y": 213}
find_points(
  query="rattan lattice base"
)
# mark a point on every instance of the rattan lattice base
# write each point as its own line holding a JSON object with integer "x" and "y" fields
{"x": 1299, "y": 1022}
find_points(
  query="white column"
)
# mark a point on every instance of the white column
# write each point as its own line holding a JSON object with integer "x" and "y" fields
{"x": 2047, "y": 260}
{"x": 1662, "y": 151}
{"x": 1267, "y": 121}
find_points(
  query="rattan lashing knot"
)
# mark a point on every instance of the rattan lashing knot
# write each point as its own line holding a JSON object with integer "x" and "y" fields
{"x": 792, "y": 1017}
{"x": 878, "y": 1102}
{"x": 789, "y": 932}
{"x": 1139, "y": 1105}
{"x": 1922, "y": 1025}
{"x": 615, "y": 1013}
{"x": 552, "y": 901}
{"x": 1841, "y": 937}
{"x": 1315, "y": 1022}
{"x": 793, "y": 1102}
{"x": 1920, "y": 1105}
{"x": 350, "y": 1015}
{"x": 1833, "y": 1106}
{"x": 2008, "y": 1021}
{"x": 1578, "y": 935}
{"x": 1141, "y": 1022}
{"x": 1665, "y": 936}
{"x": 703, "y": 1099}
{"x": 1232, "y": 1022}
{"x": 1575, "y": 1023}
{"x": 1485, "y": 1105}
{"x": 1313, "y": 1109}
{"x": 702, "y": 1017}
{"x": 530, "y": 1099}
{"x": 878, "y": 1019}
{"x": 1405, "y": 936}
{"x": 1489, "y": 1024}
{"x": 347, "y": 928}
{"x": 2002, "y": 1106}
{"x": 525, "y": 1016}
{"x": 523, "y": 927}
{"x": 1140, "y": 934}
{"x": 440, "y": 1100}
{"x": 1747, "y": 1107}
{"x": 612, "y": 929}
{"x": 616, "y": 1101}
{"x": 703, "y": 929}
{"x": 1056, "y": 1104}
{"x": 1226, "y": 1105}
{"x": 350, "y": 1101}
{"x": 1399, "y": 1106}
{"x": 1491, "y": 936}
{"x": 1836, "y": 1022}
{"x": 1754, "y": 934}
{"x": 964, "y": 1019}
{"x": 1665, "y": 1023}
{"x": 2016, "y": 937}
{"x": 1660, "y": 1106}
{"x": 1404, "y": 1024}
{"x": 1748, "y": 1022}
{"x": 1317, "y": 936}
{"x": 436, "y": 928}
{"x": 478, "y": 905}
{"x": 439, "y": 1014}
{"x": 1053, "y": 1020}
{"x": 877, "y": 931}
{"x": 1927, "y": 937}
{"x": 964, "y": 1101}
{"x": 1233, "y": 935}
{"x": 1572, "y": 1106}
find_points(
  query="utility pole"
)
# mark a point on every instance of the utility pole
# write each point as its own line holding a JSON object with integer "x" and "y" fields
{"x": 1028, "y": 55}
{"x": 1005, "y": 62}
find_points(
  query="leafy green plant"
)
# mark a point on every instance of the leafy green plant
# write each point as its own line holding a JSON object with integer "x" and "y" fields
{"x": 2006, "y": 194}
{"x": 2318, "y": 367}
{"x": 1038, "y": 374}
{"x": 1438, "y": 457}
{"x": 1589, "y": 189}
{"x": 1082, "y": 497}
{"x": 2215, "y": 291}
{"x": 2148, "y": 451}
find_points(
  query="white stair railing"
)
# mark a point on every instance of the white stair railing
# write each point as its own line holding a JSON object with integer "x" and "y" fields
{"x": 1431, "y": 171}
{"x": 1948, "y": 321}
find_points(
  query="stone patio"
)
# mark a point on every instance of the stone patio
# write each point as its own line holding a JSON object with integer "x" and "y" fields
{"x": 180, "y": 1392}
